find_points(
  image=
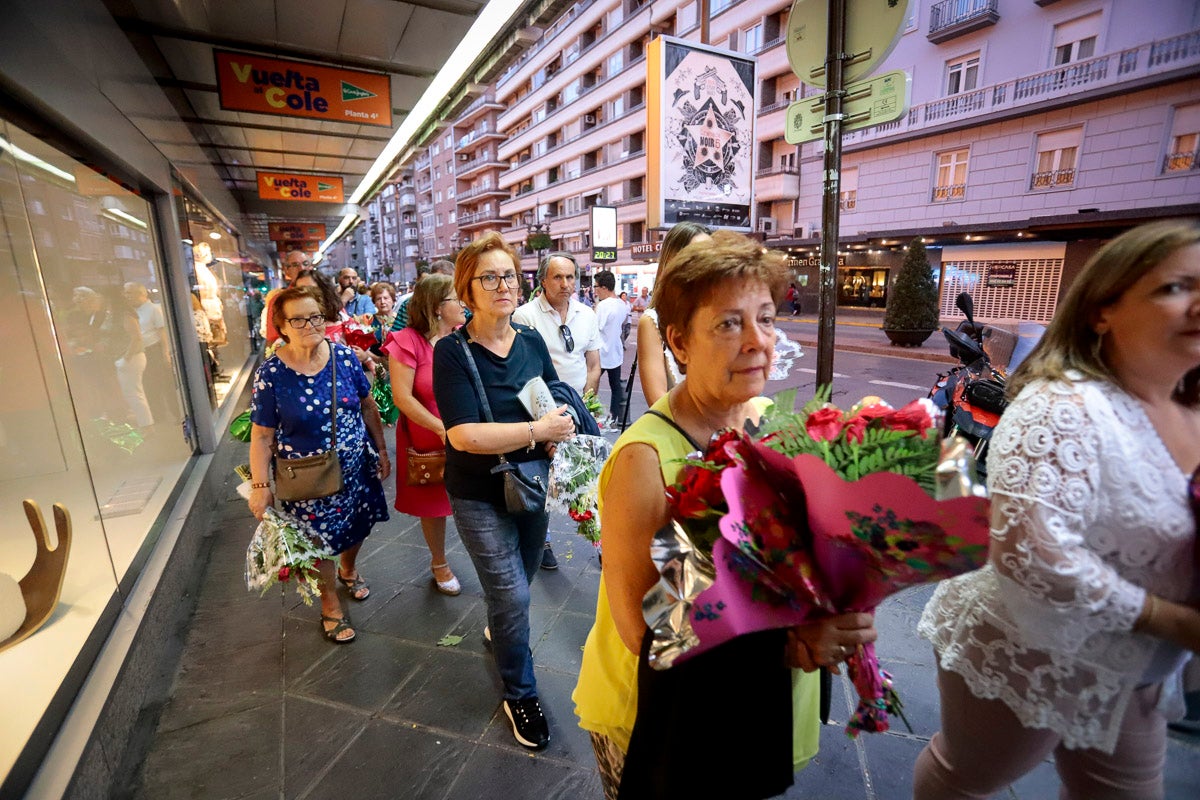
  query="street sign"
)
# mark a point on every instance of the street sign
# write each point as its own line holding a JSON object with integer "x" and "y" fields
{"x": 872, "y": 30}
{"x": 872, "y": 102}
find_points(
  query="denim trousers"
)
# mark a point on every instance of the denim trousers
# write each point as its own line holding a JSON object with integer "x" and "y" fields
{"x": 506, "y": 550}
{"x": 616, "y": 405}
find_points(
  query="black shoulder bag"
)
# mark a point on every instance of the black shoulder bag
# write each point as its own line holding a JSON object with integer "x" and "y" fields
{"x": 525, "y": 482}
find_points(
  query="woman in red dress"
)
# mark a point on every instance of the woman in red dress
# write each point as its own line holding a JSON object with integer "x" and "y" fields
{"x": 434, "y": 312}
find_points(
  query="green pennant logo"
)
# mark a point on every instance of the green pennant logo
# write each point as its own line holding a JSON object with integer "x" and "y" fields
{"x": 352, "y": 92}
{"x": 324, "y": 187}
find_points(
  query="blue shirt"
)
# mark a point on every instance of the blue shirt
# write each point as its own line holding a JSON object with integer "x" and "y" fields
{"x": 360, "y": 304}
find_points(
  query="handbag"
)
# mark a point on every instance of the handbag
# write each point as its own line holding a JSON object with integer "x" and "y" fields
{"x": 426, "y": 469}
{"x": 316, "y": 476}
{"x": 525, "y": 482}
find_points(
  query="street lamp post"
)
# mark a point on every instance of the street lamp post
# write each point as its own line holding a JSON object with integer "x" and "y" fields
{"x": 538, "y": 234}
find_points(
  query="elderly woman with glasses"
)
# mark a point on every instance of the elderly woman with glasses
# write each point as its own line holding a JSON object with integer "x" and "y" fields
{"x": 504, "y": 547}
{"x": 292, "y": 415}
{"x": 1060, "y": 645}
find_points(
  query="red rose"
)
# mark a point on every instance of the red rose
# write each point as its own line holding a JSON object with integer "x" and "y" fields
{"x": 913, "y": 417}
{"x": 580, "y": 516}
{"x": 698, "y": 490}
{"x": 719, "y": 452}
{"x": 863, "y": 418}
{"x": 285, "y": 573}
{"x": 824, "y": 424}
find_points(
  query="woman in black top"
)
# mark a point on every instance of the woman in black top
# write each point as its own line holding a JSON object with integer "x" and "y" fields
{"x": 505, "y": 548}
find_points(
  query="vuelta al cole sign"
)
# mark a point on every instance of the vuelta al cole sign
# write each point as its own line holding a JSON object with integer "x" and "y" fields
{"x": 247, "y": 82}
{"x": 308, "y": 188}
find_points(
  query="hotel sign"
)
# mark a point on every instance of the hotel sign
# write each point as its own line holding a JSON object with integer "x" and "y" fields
{"x": 247, "y": 82}
{"x": 306, "y": 188}
{"x": 295, "y": 231}
{"x": 647, "y": 251}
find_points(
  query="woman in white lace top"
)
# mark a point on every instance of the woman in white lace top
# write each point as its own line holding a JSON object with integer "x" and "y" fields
{"x": 1060, "y": 644}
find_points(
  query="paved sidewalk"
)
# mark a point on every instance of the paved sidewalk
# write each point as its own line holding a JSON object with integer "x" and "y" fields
{"x": 264, "y": 707}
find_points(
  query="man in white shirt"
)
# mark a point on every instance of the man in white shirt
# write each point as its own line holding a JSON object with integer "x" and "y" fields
{"x": 570, "y": 332}
{"x": 157, "y": 380}
{"x": 610, "y": 317}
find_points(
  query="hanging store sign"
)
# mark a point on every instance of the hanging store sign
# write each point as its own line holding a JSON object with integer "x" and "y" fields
{"x": 1002, "y": 274}
{"x": 310, "y": 246}
{"x": 648, "y": 251}
{"x": 295, "y": 231}
{"x": 700, "y": 132}
{"x": 307, "y": 188}
{"x": 247, "y": 82}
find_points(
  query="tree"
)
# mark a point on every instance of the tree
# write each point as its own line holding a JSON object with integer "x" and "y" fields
{"x": 538, "y": 242}
{"x": 913, "y": 302}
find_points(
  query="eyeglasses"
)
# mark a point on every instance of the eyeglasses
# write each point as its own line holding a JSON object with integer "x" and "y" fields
{"x": 300, "y": 323}
{"x": 491, "y": 283}
{"x": 568, "y": 339}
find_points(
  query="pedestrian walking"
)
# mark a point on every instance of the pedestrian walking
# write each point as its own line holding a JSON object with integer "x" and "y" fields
{"x": 610, "y": 318}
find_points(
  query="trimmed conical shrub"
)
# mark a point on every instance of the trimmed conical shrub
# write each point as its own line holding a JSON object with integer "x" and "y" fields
{"x": 913, "y": 302}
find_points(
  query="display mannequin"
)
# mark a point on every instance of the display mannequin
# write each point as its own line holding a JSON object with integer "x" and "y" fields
{"x": 210, "y": 292}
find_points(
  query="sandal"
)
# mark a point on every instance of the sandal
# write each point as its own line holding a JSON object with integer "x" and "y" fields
{"x": 355, "y": 585}
{"x": 451, "y": 587}
{"x": 343, "y": 624}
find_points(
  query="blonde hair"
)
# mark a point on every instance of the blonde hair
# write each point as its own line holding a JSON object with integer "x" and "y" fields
{"x": 679, "y": 237}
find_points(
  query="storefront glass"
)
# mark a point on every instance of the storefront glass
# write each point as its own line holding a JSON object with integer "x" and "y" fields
{"x": 862, "y": 287}
{"x": 91, "y": 412}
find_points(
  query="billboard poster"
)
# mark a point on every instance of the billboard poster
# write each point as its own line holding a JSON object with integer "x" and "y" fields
{"x": 700, "y": 132}
{"x": 295, "y": 231}
{"x": 249, "y": 82}
{"x": 305, "y": 188}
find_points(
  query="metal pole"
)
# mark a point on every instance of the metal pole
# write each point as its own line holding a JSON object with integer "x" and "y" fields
{"x": 830, "y": 208}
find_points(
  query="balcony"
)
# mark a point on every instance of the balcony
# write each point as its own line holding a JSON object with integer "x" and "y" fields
{"x": 776, "y": 183}
{"x": 989, "y": 104}
{"x": 1052, "y": 179}
{"x": 1181, "y": 162}
{"x": 487, "y": 102}
{"x": 484, "y": 131}
{"x": 481, "y": 191}
{"x": 848, "y": 201}
{"x": 942, "y": 194}
{"x": 466, "y": 169}
{"x": 951, "y": 18}
{"x": 480, "y": 219}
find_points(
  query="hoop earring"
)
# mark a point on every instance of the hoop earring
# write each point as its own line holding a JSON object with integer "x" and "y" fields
{"x": 1097, "y": 348}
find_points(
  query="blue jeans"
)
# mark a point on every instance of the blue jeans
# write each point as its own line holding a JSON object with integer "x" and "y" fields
{"x": 506, "y": 550}
{"x": 617, "y": 404}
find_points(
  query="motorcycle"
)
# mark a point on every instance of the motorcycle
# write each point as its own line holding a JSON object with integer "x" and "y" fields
{"x": 972, "y": 394}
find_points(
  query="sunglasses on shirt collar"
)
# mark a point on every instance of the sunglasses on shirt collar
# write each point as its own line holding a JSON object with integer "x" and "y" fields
{"x": 568, "y": 339}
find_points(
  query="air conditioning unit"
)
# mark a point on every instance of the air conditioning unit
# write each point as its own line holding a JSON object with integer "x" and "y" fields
{"x": 766, "y": 224}
{"x": 814, "y": 230}
{"x": 589, "y": 119}
{"x": 464, "y": 157}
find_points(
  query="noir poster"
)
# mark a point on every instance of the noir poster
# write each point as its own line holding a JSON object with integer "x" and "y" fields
{"x": 706, "y": 135}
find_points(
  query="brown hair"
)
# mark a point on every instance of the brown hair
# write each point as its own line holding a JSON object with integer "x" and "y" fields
{"x": 425, "y": 301}
{"x": 701, "y": 269}
{"x": 327, "y": 296}
{"x": 468, "y": 262}
{"x": 679, "y": 237}
{"x": 286, "y": 296}
{"x": 1070, "y": 341}
{"x": 379, "y": 287}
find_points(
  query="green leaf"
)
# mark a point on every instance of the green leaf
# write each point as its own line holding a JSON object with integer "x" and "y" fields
{"x": 449, "y": 640}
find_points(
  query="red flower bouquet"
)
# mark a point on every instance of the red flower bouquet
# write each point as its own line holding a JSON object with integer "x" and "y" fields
{"x": 823, "y": 512}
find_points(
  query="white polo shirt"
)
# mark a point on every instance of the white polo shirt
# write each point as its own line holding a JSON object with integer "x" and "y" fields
{"x": 541, "y": 316}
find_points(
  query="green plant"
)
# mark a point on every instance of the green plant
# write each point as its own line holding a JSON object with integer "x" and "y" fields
{"x": 539, "y": 241}
{"x": 913, "y": 301}
{"x": 388, "y": 269}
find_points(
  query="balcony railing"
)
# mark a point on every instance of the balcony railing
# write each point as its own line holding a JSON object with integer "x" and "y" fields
{"x": 951, "y": 18}
{"x": 1107, "y": 71}
{"x": 1052, "y": 178}
{"x": 848, "y": 200}
{"x": 1181, "y": 162}
{"x": 952, "y": 192}
{"x": 767, "y": 172}
{"x": 479, "y": 191}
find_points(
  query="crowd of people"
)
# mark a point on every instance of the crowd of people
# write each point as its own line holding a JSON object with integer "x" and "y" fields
{"x": 1065, "y": 643}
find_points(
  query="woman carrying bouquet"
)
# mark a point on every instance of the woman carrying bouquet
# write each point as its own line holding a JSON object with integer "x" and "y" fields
{"x": 1060, "y": 645}
{"x": 716, "y": 310}
{"x": 292, "y": 415}
{"x": 386, "y": 320}
{"x": 434, "y": 312}
{"x": 506, "y": 548}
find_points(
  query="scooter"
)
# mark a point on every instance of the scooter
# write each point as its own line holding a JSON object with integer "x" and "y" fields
{"x": 971, "y": 395}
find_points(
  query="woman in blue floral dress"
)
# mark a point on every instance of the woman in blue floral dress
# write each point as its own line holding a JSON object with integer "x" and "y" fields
{"x": 291, "y": 416}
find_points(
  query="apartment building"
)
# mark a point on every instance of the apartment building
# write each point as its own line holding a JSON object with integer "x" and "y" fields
{"x": 1036, "y": 129}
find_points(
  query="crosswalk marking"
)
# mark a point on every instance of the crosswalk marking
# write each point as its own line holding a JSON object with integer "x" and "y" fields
{"x": 898, "y": 385}
{"x": 812, "y": 371}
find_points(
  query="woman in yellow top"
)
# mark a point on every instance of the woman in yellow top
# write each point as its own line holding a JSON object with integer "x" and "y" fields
{"x": 716, "y": 310}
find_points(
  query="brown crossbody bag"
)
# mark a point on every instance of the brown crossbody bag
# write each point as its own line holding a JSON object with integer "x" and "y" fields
{"x": 311, "y": 477}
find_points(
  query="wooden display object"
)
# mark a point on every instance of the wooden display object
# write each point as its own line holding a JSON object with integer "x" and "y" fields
{"x": 42, "y": 585}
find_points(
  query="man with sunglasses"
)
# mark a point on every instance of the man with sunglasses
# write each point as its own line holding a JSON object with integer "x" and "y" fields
{"x": 570, "y": 331}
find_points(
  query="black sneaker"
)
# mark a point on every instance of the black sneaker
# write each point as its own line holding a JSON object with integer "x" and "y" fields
{"x": 548, "y": 559}
{"x": 528, "y": 722}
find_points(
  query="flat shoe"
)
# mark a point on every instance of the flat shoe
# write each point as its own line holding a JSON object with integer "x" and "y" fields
{"x": 451, "y": 587}
{"x": 343, "y": 624}
{"x": 355, "y": 585}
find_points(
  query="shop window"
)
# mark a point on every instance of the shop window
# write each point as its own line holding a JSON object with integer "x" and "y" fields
{"x": 950, "y": 177}
{"x": 848, "y": 197}
{"x": 1184, "y": 147}
{"x": 1054, "y": 166}
{"x": 863, "y": 288}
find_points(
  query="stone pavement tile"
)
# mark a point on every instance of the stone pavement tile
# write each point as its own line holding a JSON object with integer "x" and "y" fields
{"x": 364, "y": 674}
{"x": 394, "y": 760}
{"x": 582, "y": 599}
{"x": 452, "y": 691}
{"x": 834, "y": 773}
{"x": 917, "y": 687}
{"x": 314, "y": 736}
{"x": 562, "y": 646}
{"x": 890, "y": 761}
{"x": 551, "y": 588}
{"x": 1182, "y": 774}
{"x": 213, "y": 684}
{"x": 229, "y": 629}
{"x": 1040, "y": 784}
{"x": 495, "y": 773}
{"x": 396, "y": 563}
{"x": 896, "y": 620}
{"x": 232, "y": 756}
{"x": 568, "y": 741}
{"x": 303, "y": 645}
{"x": 416, "y": 613}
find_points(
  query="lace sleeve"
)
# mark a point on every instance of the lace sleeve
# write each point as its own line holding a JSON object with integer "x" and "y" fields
{"x": 1047, "y": 484}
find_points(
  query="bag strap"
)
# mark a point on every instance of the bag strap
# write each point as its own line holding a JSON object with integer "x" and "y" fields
{"x": 676, "y": 426}
{"x": 483, "y": 401}
{"x": 333, "y": 405}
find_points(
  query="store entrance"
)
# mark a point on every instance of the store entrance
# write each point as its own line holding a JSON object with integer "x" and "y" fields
{"x": 862, "y": 287}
